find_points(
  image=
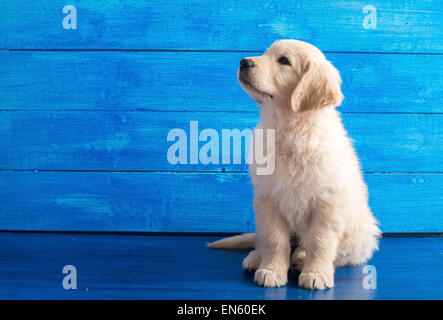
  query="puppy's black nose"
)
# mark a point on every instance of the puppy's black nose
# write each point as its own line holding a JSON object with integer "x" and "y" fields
{"x": 246, "y": 64}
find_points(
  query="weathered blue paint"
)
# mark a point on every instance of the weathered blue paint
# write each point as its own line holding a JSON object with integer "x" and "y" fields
{"x": 180, "y": 267}
{"x": 137, "y": 140}
{"x": 77, "y": 110}
{"x": 96, "y": 120}
{"x": 402, "y": 26}
{"x": 186, "y": 202}
{"x": 201, "y": 81}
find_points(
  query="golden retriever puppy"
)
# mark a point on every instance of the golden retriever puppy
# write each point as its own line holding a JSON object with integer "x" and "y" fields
{"x": 316, "y": 194}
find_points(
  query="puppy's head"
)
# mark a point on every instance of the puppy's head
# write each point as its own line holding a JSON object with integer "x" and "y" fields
{"x": 291, "y": 74}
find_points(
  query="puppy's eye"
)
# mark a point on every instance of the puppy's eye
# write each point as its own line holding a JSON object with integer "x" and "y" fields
{"x": 284, "y": 60}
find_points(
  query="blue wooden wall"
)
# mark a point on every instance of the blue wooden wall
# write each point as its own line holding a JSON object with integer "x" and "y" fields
{"x": 85, "y": 112}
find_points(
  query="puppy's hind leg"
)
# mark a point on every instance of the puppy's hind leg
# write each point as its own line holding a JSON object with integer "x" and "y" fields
{"x": 358, "y": 245}
{"x": 252, "y": 261}
{"x": 298, "y": 258}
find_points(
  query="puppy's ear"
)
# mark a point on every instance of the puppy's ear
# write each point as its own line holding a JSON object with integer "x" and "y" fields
{"x": 319, "y": 87}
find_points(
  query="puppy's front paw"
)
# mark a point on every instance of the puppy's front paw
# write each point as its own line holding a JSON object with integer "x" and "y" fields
{"x": 316, "y": 280}
{"x": 270, "y": 278}
{"x": 252, "y": 261}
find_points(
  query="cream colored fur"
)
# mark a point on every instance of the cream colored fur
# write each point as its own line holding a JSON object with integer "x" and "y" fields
{"x": 316, "y": 193}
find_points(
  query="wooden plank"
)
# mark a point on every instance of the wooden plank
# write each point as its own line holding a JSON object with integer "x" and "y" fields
{"x": 201, "y": 81}
{"x": 137, "y": 141}
{"x": 181, "y": 267}
{"x": 401, "y": 26}
{"x": 186, "y": 202}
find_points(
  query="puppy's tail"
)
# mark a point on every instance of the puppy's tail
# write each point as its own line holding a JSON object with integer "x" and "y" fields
{"x": 243, "y": 241}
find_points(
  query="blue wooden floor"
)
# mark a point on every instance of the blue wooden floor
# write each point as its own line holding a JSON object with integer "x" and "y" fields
{"x": 113, "y": 266}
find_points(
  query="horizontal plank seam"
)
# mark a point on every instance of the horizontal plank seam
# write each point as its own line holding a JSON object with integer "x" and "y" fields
{"x": 194, "y": 111}
{"x": 210, "y": 51}
{"x": 194, "y": 172}
{"x": 197, "y": 234}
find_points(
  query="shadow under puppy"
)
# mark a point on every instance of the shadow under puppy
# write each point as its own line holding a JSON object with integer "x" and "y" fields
{"x": 316, "y": 193}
